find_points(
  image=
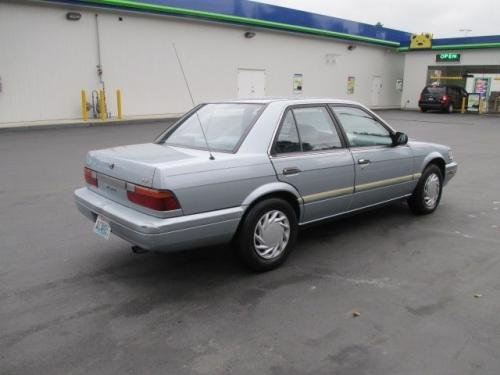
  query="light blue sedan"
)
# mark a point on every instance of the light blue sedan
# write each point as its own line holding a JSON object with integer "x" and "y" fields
{"x": 251, "y": 172}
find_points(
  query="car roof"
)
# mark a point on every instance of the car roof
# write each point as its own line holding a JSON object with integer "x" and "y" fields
{"x": 444, "y": 86}
{"x": 288, "y": 101}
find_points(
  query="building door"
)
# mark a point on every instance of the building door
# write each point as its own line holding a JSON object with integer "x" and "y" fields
{"x": 376, "y": 90}
{"x": 251, "y": 83}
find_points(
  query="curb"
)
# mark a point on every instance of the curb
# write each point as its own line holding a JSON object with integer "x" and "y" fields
{"x": 87, "y": 124}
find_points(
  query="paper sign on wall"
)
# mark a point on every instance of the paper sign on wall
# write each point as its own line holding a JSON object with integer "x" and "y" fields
{"x": 473, "y": 101}
{"x": 351, "y": 80}
{"x": 297, "y": 83}
{"x": 481, "y": 86}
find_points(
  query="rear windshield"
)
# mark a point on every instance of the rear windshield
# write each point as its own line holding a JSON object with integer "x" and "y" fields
{"x": 434, "y": 90}
{"x": 224, "y": 124}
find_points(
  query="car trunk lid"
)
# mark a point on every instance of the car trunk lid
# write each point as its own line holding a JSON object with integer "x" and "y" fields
{"x": 135, "y": 164}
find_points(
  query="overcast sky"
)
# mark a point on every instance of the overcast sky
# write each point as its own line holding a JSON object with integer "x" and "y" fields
{"x": 442, "y": 18}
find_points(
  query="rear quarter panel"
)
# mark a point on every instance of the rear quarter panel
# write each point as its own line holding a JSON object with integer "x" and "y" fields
{"x": 225, "y": 182}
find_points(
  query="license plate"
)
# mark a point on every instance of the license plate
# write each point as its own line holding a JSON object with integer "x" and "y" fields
{"x": 102, "y": 227}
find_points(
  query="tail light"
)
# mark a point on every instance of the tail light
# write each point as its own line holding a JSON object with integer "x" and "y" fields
{"x": 159, "y": 200}
{"x": 444, "y": 98}
{"x": 90, "y": 176}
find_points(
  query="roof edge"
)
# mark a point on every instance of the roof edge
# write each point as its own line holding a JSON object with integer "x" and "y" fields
{"x": 453, "y": 46}
{"x": 194, "y": 13}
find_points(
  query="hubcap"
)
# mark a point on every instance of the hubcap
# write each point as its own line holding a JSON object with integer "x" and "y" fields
{"x": 431, "y": 190}
{"x": 271, "y": 234}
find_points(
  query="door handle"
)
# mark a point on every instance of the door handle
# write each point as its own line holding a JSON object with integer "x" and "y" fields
{"x": 363, "y": 161}
{"x": 291, "y": 170}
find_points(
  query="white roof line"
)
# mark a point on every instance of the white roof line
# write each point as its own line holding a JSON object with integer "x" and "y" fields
{"x": 285, "y": 99}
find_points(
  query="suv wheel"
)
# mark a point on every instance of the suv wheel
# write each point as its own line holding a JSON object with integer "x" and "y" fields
{"x": 427, "y": 194}
{"x": 450, "y": 108}
{"x": 267, "y": 235}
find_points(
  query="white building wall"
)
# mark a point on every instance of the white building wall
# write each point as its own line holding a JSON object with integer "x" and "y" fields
{"x": 44, "y": 63}
{"x": 417, "y": 62}
{"x": 50, "y": 59}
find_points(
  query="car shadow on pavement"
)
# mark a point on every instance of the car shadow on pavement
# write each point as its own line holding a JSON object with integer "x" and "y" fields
{"x": 220, "y": 262}
{"x": 175, "y": 286}
{"x": 211, "y": 275}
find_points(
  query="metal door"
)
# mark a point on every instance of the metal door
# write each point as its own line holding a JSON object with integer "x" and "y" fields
{"x": 251, "y": 83}
{"x": 376, "y": 90}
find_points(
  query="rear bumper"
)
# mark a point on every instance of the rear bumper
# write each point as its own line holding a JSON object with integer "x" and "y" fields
{"x": 433, "y": 105}
{"x": 450, "y": 171}
{"x": 151, "y": 232}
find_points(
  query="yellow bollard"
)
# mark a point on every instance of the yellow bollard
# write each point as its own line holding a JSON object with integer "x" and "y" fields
{"x": 119, "y": 103}
{"x": 463, "y": 105}
{"x": 102, "y": 105}
{"x": 85, "y": 114}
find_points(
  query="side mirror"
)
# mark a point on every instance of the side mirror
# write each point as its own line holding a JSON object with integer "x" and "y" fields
{"x": 399, "y": 139}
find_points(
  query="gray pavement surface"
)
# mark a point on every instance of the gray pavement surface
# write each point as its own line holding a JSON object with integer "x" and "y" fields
{"x": 71, "y": 303}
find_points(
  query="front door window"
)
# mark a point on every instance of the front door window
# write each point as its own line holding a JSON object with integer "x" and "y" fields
{"x": 362, "y": 130}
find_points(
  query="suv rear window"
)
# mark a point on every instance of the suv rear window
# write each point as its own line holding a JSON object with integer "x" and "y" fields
{"x": 434, "y": 90}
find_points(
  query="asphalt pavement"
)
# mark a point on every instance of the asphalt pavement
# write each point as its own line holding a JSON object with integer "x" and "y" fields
{"x": 425, "y": 290}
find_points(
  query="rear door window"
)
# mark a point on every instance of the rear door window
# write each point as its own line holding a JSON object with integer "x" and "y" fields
{"x": 316, "y": 129}
{"x": 288, "y": 137}
{"x": 307, "y": 129}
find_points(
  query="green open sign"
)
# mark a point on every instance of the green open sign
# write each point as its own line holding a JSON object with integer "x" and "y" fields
{"x": 447, "y": 57}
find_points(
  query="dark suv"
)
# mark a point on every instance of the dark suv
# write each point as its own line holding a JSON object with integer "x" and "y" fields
{"x": 443, "y": 98}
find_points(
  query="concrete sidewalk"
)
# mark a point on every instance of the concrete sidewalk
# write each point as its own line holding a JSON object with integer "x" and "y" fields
{"x": 74, "y": 123}
{"x": 78, "y": 122}
{"x": 70, "y": 123}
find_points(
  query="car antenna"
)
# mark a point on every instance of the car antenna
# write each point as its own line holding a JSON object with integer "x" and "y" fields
{"x": 192, "y": 101}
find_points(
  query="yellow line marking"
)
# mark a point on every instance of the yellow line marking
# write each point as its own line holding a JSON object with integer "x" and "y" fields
{"x": 444, "y": 77}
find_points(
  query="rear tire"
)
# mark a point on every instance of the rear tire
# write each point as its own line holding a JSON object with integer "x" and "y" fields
{"x": 427, "y": 194}
{"x": 450, "y": 108}
{"x": 423, "y": 110}
{"x": 267, "y": 235}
